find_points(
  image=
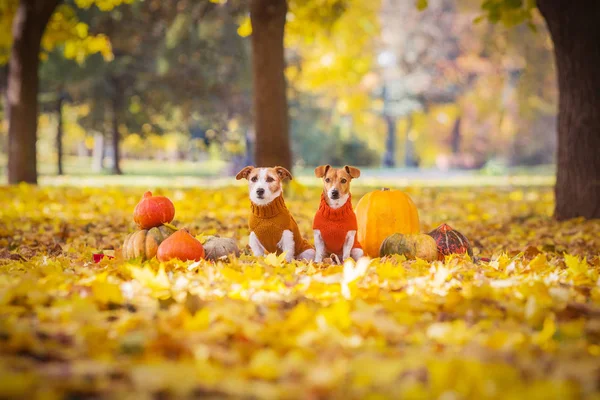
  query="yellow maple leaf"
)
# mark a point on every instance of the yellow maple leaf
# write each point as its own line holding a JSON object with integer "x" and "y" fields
{"x": 158, "y": 283}
{"x": 275, "y": 260}
{"x": 575, "y": 266}
{"x": 106, "y": 292}
{"x": 540, "y": 261}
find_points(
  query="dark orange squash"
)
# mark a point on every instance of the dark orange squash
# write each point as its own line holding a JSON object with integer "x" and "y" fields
{"x": 153, "y": 211}
{"x": 450, "y": 241}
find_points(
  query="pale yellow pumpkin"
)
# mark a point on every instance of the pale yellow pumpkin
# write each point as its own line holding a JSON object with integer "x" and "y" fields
{"x": 381, "y": 213}
{"x": 144, "y": 243}
{"x": 412, "y": 246}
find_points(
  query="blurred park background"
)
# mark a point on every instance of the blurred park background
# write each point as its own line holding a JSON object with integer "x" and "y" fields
{"x": 421, "y": 91}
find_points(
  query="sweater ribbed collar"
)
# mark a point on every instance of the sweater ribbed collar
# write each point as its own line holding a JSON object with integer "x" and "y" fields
{"x": 335, "y": 214}
{"x": 270, "y": 210}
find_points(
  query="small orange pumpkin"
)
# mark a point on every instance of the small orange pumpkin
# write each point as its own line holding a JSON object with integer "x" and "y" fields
{"x": 381, "y": 213}
{"x": 180, "y": 245}
{"x": 153, "y": 211}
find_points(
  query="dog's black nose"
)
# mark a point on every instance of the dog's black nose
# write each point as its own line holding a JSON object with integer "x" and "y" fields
{"x": 260, "y": 191}
{"x": 335, "y": 194}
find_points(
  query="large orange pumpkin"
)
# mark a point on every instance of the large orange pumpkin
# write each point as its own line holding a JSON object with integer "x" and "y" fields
{"x": 153, "y": 211}
{"x": 382, "y": 213}
{"x": 180, "y": 245}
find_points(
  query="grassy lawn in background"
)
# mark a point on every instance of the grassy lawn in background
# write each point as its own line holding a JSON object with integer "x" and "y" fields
{"x": 217, "y": 173}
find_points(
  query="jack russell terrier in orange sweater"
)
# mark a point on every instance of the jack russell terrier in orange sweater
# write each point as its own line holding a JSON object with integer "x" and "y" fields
{"x": 335, "y": 226}
{"x": 272, "y": 227}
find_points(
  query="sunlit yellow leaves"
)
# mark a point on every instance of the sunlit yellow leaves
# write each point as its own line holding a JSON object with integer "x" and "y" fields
{"x": 299, "y": 317}
{"x": 158, "y": 282}
{"x": 176, "y": 377}
{"x": 275, "y": 260}
{"x": 63, "y": 29}
{"x": 106, "y": 293}
{"x": 455, "y": 332}
{"x": 13, "y": 384}
{"x": 543, "y": 337}
{"x": 79, "y": 49}
{"x": 376, "y": 371}
{"x": 421, "y": 4}
{"x": 539, "y": 262}
{"x": 518, "y": 320}
{"x": 8, "y": 9}
{"x": 245, "y": 28}
{"x": 265, "y": 364}
{"x": 334, "y": 44}
{"x": 579, "y": 270}
{"x": 104, "y": 5}
{"x": 199, "y": 321}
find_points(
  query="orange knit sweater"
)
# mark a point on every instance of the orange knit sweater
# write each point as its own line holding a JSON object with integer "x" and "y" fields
{"x": 268, "y": 223}
{"x": 334, "y": 224}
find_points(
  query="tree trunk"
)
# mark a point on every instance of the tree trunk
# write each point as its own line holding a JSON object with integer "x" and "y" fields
{"x": 409, "y": 154}
{"x": 270, "y": 101}
{"x": 59, "y": 133}
{"x": 389, "y": 158}
{"x": 116, "y": 103}
{"x": 575, "y": 31}
{"x": 98, "y": 153}
{"x": 249, "y": 154}
{"x": 28, "y": 27}
{"x": 455, "y": 136}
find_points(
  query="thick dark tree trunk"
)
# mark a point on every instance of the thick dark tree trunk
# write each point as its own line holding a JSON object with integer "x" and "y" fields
{"x": 28, "y": 27}
{"x": 59, "y": 133}
{"x": 575, "y": 31}
{"x": 270, "y": 101}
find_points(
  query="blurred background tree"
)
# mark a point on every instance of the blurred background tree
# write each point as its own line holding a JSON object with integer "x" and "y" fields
{"x": 36, "y": 26}
{"x": 207, "y": 86}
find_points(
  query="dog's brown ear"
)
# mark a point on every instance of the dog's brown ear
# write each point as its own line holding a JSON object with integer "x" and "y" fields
{"x": 321, "y": 170}
{"x": 283, "y": 173}
{"x": 244, "y": 172}
{"x": 352, "y": 171}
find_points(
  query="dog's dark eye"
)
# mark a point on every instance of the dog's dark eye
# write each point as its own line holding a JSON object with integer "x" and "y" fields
{"x": 254, "y": 179}
{"x": 344, "y": 181}
{"x": 327, "y": 180}
{"x": 269, "y": 179}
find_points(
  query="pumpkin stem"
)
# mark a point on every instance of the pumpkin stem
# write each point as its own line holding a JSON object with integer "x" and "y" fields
{"x": 147, "y": 194}
{"x": 385, "y": 189}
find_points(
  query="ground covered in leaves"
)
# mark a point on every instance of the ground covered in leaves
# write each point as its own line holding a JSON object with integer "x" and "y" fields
{"x": 521, "y": 320}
